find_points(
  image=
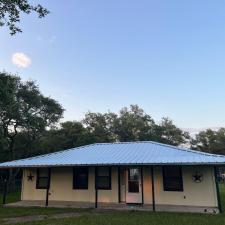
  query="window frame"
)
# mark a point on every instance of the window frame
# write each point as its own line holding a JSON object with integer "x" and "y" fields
{"x": 75, "y": 186}
{"x": 138, "y": 181}
{"x": 180, "y": 179}
{"x": 38, "y": 186}
{"x": 109, "y": 177}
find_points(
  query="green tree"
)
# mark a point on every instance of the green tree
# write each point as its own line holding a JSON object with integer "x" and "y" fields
{"x": 73, "y": 134}
{"x": 99, "y": 126}
{"x": 133, "y": 124}
{"x": 3, "y": 146}
{"x": 10, "y": 119}
{"x": 210, "y": 141}
{"x": 68, "y": 135}
{"x": 168, "y": 133}
{"x": 10, "y": 11}
{"x": 24, "y": 109}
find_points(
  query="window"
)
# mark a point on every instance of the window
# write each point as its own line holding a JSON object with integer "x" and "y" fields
{"x": 133, "y": 180}
{"x": 172, "y": 178}
{"x": 103, "y": 178}
{"x": 80, "y": 178}
{"x": 42, "y": 178}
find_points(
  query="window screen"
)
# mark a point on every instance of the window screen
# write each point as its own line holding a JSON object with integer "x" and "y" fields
{"x": 103, "y": 178}
{"x": 80, "y": 178}
{"x": 172, "y": 178}
{"x": 42, "y": 178}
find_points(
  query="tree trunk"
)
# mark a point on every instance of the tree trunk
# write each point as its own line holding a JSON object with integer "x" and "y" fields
{"x": 11, "y": 181}
{"x": 11, "y": 148}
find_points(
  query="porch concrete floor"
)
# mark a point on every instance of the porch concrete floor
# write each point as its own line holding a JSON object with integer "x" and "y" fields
{"x": 115, "y": 206}
{"x": 68, "y": 204}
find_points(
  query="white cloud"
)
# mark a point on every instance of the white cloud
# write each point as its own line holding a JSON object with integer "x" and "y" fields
{"x": 21, "y": 60}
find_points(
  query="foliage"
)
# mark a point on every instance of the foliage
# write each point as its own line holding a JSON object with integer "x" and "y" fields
{"x": 68, "y": 135}
{"x": 27, "y": 120}
{"x": 99, "y": 126}
{"x": 24, "y": 109}
{"x": 131, "y": 124}
{"x": 10, "y": 13}
{"x": 134, "y": 125}
{"x": 29, "y": 125}
{"x": 170, "y": 134}
{"x": 210, "y": 141}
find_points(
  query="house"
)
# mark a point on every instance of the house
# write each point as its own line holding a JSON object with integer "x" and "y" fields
{"x": 137, "y": 175}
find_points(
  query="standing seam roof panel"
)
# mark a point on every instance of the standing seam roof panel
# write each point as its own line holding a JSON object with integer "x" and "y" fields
{"x": 120, "y": 153}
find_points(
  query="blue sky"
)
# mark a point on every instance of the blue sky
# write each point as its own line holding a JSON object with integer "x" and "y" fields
{"x": 166, "y": 56}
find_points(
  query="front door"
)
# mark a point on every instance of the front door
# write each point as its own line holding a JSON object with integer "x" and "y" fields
{"x": 133, "y": 187}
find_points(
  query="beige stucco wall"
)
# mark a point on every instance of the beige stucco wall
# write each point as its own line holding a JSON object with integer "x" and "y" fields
{"x": 61, "y": 187}
{"x": 147, "y": 185}
{"x": 194, "y": 194}
{"x": 29, "y": 191}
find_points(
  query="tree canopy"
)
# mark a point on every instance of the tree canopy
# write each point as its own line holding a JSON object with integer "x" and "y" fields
{"x": 24, "y": 109}
{"x": 10, "y": 13}
{"x": 30, "y": 125}
{"x": 210, "y": 141}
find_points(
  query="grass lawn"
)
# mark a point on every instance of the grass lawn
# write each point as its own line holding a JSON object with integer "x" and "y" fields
{"x": 139, "y": 218}
{"x": 20, "y": 211}
{"x": 118, "y": 218}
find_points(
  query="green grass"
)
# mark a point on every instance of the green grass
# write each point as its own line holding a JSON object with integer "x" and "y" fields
{"x": 12, "y": 197}
{"x": 120, "y": 218}
{"x": 139, "y": 218}
{"x": 7, "y": 212}
{"x": 222, "y": 196}
{"x": 20, "y": 211}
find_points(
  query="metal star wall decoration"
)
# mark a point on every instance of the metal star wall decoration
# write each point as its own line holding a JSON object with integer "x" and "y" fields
{"x": 30, "y": 177}
{"x": 197, "y": 177}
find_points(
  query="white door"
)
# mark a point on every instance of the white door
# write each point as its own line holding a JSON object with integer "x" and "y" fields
{"x": 133, "y": 186}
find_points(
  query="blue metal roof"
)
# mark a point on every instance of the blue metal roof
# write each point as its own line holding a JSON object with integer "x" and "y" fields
{"x": 121, "y": 153}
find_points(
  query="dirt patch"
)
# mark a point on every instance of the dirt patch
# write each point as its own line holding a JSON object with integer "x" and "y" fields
{"x": 34, "y": 218}
{"x": 24, "y": 219}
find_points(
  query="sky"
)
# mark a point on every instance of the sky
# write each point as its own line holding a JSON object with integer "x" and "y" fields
{"x": 166, "y": 56}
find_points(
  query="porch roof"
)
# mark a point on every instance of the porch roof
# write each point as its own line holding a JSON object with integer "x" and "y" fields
{"x": 120, "y": 153}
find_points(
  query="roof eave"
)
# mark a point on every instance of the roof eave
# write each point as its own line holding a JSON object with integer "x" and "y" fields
{"x": 117, "y": 164}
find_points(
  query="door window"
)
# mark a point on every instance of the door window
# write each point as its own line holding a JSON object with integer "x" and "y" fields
{"x": 133, "y": 180}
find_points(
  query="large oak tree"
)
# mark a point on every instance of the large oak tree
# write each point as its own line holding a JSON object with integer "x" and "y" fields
{"x": 24, "y": 109}
{"x": 10, "y": 13}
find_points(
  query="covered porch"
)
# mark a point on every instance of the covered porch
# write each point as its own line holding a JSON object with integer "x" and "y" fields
{"x": 85, "y": 205}
{"x": 90, "y": 187}
{"x": 114, "y": 206}
{"x": 135, "y": 175}
{"x": 139, "y": 188}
